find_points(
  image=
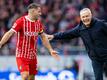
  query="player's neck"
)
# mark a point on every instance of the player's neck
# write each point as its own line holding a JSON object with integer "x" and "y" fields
{"x": 31, "y": 18}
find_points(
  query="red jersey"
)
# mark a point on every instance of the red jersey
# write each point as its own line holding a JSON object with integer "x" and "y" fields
{"x": 27, "y": 33}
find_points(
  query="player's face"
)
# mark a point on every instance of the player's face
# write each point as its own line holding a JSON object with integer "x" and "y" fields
{"x": 86, "y": 18}
{"x": 37, "y": 12}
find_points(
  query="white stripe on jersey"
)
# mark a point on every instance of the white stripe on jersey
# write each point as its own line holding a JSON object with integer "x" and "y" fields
{"x": 17, "y": 52}
{"x": 39, "y": 27}
{"x": 34, "y": 36}
{"x": 26, "y": 43}
{"x": 24, "y": 25}
{"x": 29, "y": 55}
{"x": 35, "y": 29}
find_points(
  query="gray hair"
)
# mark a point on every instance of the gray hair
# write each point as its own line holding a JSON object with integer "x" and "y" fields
{"x": 85, "y": 9}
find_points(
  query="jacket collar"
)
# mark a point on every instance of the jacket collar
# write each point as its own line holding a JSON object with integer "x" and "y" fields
{"x": 91, "y": 24}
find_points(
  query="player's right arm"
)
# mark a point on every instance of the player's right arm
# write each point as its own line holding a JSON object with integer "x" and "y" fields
{"x": 6, "y": 37}
{"x": 17, "y": 26}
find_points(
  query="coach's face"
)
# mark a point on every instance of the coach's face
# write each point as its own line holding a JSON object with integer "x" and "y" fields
{"x": 86, "y": 17}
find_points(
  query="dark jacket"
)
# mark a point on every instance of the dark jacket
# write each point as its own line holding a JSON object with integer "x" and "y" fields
{"x": 94, "y": 37}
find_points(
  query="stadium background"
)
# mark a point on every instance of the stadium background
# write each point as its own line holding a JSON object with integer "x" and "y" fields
{"x": 57, "y": 16}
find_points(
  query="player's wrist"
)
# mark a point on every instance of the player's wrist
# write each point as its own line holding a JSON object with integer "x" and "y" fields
{"x": 50, "y": 50}
{"x": 53, "y": 36}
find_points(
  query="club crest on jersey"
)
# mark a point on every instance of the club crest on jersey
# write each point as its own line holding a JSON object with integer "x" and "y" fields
{"x": 31, "y": 33}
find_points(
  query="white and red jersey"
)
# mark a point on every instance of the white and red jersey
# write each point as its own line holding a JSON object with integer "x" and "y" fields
{"x": 27, "y": 33}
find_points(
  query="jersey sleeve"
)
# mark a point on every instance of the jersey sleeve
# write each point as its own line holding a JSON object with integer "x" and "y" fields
{"x": 41, "y": 30}
{"x": 17, "y": 25}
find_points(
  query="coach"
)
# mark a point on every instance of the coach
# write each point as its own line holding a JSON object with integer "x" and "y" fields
{"x": 94, "y": 35}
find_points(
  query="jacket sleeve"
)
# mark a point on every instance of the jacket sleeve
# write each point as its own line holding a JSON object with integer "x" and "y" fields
{"x": 70, "y": 34}
{"x": 105, "y": 27}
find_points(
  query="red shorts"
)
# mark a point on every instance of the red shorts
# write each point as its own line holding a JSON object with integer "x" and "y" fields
{"x": 29, "y": 65}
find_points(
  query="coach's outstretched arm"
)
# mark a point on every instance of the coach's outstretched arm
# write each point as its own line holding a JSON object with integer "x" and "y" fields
{"x": 6, "y": 37}
{"x": 46, "y": 43}
{"x": 70, "y": 34}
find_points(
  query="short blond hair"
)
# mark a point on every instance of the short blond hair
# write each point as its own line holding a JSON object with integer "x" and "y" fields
{"x": 33, "y": 5}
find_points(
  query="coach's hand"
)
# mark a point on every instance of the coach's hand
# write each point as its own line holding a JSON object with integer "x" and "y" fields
{"x": 55, "y": 54}
{"x": 50, "y": 37}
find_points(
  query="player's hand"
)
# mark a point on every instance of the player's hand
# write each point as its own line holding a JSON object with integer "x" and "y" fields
{"x": 55, "y": 54}
{"x": 50, "y": 37}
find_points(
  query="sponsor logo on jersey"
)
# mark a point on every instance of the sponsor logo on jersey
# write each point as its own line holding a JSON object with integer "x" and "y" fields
{"x": 31, "y": 33}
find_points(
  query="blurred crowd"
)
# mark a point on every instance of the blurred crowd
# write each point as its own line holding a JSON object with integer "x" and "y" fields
{"x": 57, "y": 16}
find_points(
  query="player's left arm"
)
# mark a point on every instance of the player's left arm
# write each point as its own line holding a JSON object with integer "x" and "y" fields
{"x": 46, "y": 43}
